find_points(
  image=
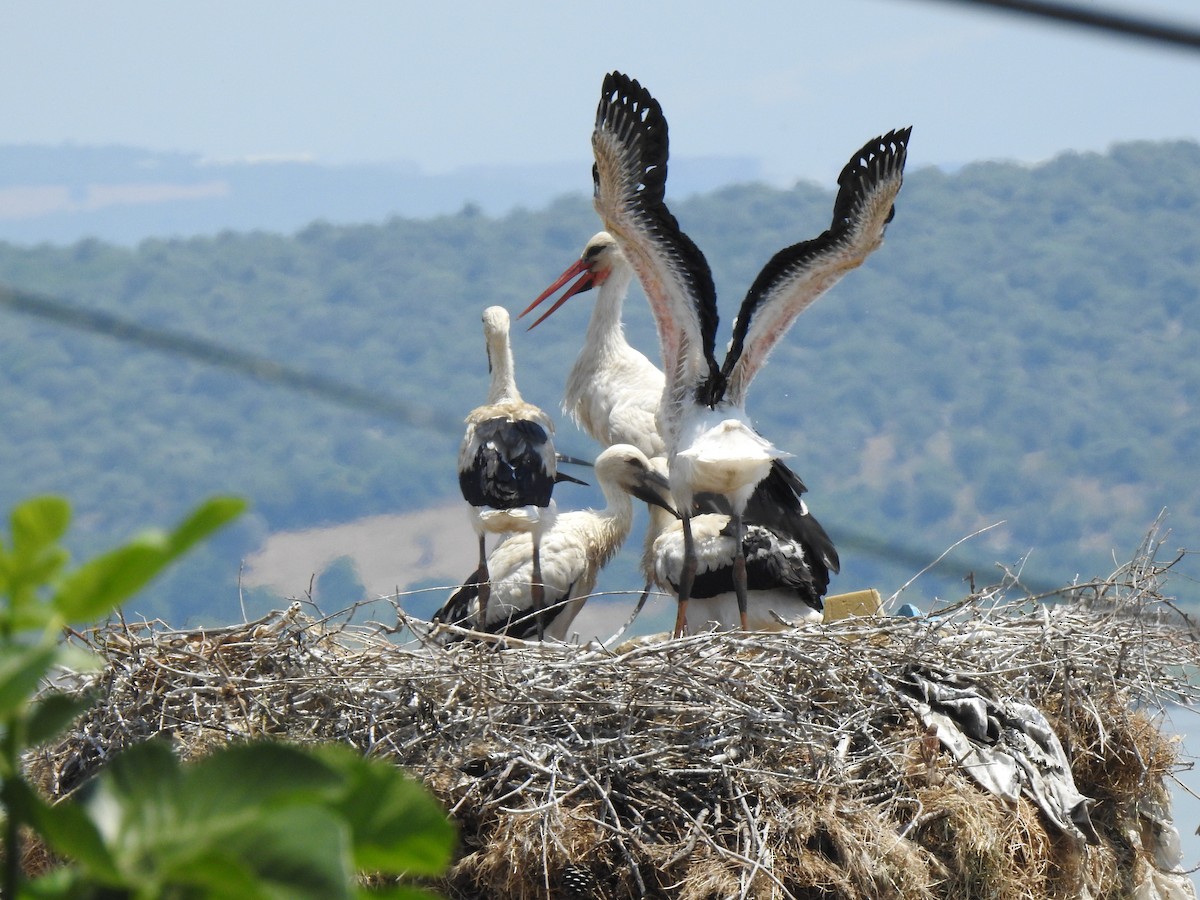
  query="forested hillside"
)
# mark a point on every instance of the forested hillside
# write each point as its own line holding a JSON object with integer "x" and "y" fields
{"x": 1023, "y": 348}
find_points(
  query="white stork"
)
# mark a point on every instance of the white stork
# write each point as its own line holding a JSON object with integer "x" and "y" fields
{"x": 787, "y": 576}
{"x": 779, "y": 580}
{"x": 614, "y": 393}
{"x": 711, "y": 445}
{"x": 507, "y": 466}
{"x": 574, "y": 547}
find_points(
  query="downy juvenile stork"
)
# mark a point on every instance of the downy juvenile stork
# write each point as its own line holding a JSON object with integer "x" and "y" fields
{"x": 574, "y": 547}
{"x": 507, "y": 466}
{"x": 711, "y": 445}
{"x": 614, "y": 393}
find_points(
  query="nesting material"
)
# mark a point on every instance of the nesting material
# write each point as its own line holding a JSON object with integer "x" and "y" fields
{"x": 782, "y": 765}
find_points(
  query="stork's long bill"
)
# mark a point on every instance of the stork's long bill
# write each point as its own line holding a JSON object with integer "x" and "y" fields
{"x": 588, "y": 280}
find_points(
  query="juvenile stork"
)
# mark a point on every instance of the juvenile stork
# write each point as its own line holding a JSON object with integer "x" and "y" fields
{"x": 614, "y": 393}
{"x": 781, "y": 584}
{"x": 574, "y": 547}
{"x": 711, "y": 445}
{"x": 507, "y": 466}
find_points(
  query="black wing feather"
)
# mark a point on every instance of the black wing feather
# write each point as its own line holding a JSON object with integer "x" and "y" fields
{"x": 776, "y": 503}
{"x": 528, "y": 624}
{"x": 880, "y": 158}
{"x": 771, "y": 564}
{"x": 629, "y": 111}
{"x": 508, "y": 470}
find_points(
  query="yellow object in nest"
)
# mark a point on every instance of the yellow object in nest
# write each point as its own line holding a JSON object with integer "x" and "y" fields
{"x": 855, "y": 603}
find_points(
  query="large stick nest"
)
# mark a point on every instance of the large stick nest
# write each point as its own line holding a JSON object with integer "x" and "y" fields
{"x": 718, "y": 765}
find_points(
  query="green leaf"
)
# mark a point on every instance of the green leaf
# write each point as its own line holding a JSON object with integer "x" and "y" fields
{"x": 398, "y": 892}
{"x": 27, "y": 613}
{"x": 34, "y": 561}
{"x": 248, "y": 775}
{"x": 298, "y": 851}
{"x": 37, "y": 523}
{"x": 69, "y": 831}
{"x": 52, "y": 713}
{"x": 133, "y": 800}
{"x": 100, "y": 585}
{"x": 397, "y": 825}
{"x": 209, "y": 517}
{"x": 21, "y": 672}
{"x": 218, "y": 876}
{"x": 60, "y": 884}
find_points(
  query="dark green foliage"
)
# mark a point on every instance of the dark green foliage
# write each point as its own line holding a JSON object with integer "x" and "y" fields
{"x": 1022, "y": 348}
{"x": 248, "y": 821}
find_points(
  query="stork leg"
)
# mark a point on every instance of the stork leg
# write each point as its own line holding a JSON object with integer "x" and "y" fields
{"x": 739, "y": 571}
{"x": 686, "y": 577}
{"x": 485, "y": 583}
{"x": 537, "y": 590}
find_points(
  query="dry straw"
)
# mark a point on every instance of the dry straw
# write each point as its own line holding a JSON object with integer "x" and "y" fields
{"x": 718, "y": 765}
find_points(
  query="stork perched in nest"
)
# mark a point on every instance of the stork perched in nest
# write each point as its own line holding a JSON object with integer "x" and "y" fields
{"x": 711, "y": 445}
{"x": 507, "y": 466}
{"x": 575, "y": 545}
{"x": 614, "y": 393}
{"x": 785, "y": 581}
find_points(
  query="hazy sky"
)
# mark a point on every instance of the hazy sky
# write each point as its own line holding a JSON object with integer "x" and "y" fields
{"x": 794, "y": 83}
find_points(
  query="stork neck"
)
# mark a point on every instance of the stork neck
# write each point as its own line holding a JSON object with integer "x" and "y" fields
{"x": 618, "y": 504}
{"x": 605, "y": 326}
{"x": 500, "y": 362}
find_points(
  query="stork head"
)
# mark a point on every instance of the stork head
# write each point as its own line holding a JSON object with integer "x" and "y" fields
{"x": 627, "y": 468}
{"x": 593, "y": 267}
{"x": 495, "y": 332}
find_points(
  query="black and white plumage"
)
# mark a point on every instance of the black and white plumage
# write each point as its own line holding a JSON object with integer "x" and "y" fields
{"x": 614, "y": 393}
{"x": 786, "y": 576}
{"x": 507, "y": 466}
{"x": 575, "y": 545}
{"x": 711, "y": 445}
{"x": 779, "y": 580}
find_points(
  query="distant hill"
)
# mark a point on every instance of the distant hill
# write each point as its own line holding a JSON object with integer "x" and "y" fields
{"x": 124, "y": 195}
{"x": 1022, "y": 350}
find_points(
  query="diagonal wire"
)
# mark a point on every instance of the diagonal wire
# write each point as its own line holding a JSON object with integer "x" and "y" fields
{"x": 1111, "y": 21}
{"x": 174, "y": 343}
{"x": 203, "y": 350}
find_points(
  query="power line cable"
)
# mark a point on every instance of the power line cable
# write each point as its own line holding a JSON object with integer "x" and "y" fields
{"x": 1120, "y": 23}
{"x": 268, "y": 371}
{"x": 260, "y": 368}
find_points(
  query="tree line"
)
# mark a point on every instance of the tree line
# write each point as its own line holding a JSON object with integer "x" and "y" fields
{"x": 1020, "y": 350}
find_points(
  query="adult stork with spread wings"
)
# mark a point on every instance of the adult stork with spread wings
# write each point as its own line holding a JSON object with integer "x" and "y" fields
{"x": 711, "y": 445}
{"x": 614, "y": 393}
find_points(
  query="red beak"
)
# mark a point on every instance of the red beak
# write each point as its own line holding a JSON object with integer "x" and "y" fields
{"x": 585, "y": 283}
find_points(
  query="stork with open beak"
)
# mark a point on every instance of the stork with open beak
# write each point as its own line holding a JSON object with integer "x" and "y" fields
{"x": 614, "y": 393}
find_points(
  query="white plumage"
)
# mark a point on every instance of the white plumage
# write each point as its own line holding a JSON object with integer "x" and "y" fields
{"x": 711, "y": 444}
{"x": 613, "y": 391}
{"x": 575, "y": 545}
